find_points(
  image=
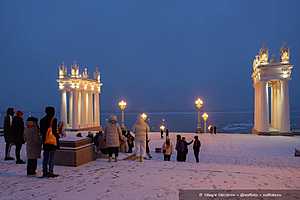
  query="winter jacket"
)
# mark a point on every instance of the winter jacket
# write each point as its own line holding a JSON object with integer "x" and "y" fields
{"x": 8, "y": 135}
{"x": 18, "y": 130}
{"x": 186, "y": 149}
{"x": 112, "y": 134}
{"x": 44, "y": 125}
{"x": 167, "y": 149}
{"x": 33, "y": 143}
{"x": 141, "y": 130}
{"x": 197, "y": 145}
{"x": 180, "y": 146}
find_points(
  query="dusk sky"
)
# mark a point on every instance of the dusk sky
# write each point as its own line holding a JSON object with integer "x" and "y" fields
{"x": 159, "y": 55}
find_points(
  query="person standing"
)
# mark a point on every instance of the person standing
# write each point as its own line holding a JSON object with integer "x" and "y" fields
{"x": 179, "y": 148}
{"x": 112, "y": 137}
{"x": 161, "y": 133}
{"x": 167, "y": 149}
{"x": 130, "y": 141}
{"x": 186, "y": 149}
{"x": 49, "y": 123}
{"x": 196, "y": 148}
{"x": 33, "y": 144}
{"x": 18, "y": 135}
{"x": 148, "y": 147}
{"x": 8, "y": 132}
{"x": 140, "y": 130}
{"x": 167, "y": 132}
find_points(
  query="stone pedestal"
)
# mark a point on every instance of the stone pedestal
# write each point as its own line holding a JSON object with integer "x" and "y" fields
{"x": 74, "y": 151}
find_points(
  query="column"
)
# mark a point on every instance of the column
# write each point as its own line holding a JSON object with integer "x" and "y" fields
{"x": 75, "y": 110}
{"x": 276, "y": 101}
{"x": 258, "y": 108}
{"x": 87, "y": 105}
{"x": 284, "y": 107}
{"x": 90, "y": 109}
{"x": 273, "y": 105}
{"x": 97, "y": 110}
{"x": 79, "y": 109}
{"x": 83, "y": 108}
{"x": 264, "y": 107}
{"x": 255, "y": 107}
{"x": 70, "y": 109}
{"x": 63, "y": 107}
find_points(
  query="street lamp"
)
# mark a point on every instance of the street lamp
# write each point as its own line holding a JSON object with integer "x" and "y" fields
{"x": 144, "y": 116}
{"x": 205, "y": 116}
{"x": 122, "y": 105}
{"x": 198, "y": 105}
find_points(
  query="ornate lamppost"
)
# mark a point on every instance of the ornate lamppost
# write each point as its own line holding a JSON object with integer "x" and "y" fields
{"x": 122, "y": 105}
{"x": 198, "y": 105}
{"x": 205, "y": 117}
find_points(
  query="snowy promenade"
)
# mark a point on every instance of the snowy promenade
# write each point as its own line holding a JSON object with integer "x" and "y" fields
{"x": 227, "y": 161}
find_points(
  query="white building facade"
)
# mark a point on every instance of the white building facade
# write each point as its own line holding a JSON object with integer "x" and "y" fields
{"x": 271, "y": 92}
{"x": 80, "y": 98}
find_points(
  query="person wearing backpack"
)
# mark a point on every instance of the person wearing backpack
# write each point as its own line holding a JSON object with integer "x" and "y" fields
{"x": 196, "y": 148}
{"x": 48, "y": 124}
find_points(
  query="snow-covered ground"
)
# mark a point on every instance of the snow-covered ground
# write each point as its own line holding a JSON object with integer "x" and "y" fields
{"x": 227, "y": 161}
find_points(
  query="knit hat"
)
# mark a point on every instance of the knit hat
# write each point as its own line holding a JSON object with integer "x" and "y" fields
{"x": 19, "y": 113}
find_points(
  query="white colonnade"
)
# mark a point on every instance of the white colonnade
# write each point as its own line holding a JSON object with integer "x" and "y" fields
{"x": 271, "y": 93}
{"x": 80, "y": 104}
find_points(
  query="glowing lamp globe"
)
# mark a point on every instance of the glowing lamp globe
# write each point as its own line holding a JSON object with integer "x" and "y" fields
{"x": 198, "y": 103}
{"x": 122, "y": 105}
{"x": 205, "y": 116}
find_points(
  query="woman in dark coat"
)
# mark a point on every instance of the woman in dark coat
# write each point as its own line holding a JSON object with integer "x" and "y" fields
{"x": 179, "y": 148}
{"x": 18, "y": 135}
{"x": 196, "y": 148}
{"x": 8, "y": 132}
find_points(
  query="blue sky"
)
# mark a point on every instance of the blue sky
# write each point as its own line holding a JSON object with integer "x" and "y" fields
{"x": 158, "y": 55}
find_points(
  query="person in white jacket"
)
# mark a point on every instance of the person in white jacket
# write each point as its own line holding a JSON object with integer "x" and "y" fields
{"x": 140, "y": 130}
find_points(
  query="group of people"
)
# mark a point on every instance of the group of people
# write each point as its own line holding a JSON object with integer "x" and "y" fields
{"x": 115, "y": 138}
{"x": 181, "y": 148}
{"x": 35, "y": 135}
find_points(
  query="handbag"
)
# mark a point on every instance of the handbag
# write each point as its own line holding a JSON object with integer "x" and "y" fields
{"x": 50, "y": 137}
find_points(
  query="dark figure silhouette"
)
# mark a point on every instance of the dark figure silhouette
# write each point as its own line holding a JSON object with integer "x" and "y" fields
{"x": 167, "y": 132}
{"x": 196, "y": 148}
{"x": 8, "y": 132}
{"x": 18, "y": 135}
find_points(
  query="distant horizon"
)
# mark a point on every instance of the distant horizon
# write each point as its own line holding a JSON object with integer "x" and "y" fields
{"x": 158, "y": 55}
